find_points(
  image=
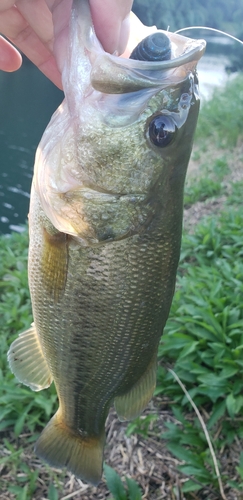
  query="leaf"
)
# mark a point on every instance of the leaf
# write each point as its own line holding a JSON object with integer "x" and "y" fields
{"x": 189, "y": 470}
{"x": 241, "y": 460}
{"x": 229, "y": 371}
{"x": 238, "y": 403}
{"x": 219, "y": 410}
{"x": 188, "y": 349}
{"x": 52, "y": 492}
{"x": 19, "y": 491}
{"x": 134, "y": 492}
{"x": 114, "y": 483}
{"x": 21, "y": 420}
{"x": 190, "y": 486}
{"x": 178, "y": 414}
{"x": 236, "y": 485}
{"x": 211, "y": 379}
{"x": 131, "y": 428}
{"x": 183, "y": 454}
{"x": 192, "y": 438}
{"x": 231, "y": 405}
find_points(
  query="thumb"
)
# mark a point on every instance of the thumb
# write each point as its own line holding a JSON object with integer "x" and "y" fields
{"x": 112, "y": 23}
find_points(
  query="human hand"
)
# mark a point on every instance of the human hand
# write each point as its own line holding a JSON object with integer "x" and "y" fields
{"x": 33, "y": 25}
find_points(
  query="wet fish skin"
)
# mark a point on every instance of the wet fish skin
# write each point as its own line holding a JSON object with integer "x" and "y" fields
{"x": 103, "y": 255}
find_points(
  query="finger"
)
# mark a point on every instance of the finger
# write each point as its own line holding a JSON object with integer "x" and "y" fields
{"x": 15, "y": 27}
{"x": 39, "y": 17}
{"x": 10, "y": 58}
{"x": 61, "y": 11}
{"x": 138, "y": 31}
{"x": 6, "y": 4}
{"x": 111, "y": 22}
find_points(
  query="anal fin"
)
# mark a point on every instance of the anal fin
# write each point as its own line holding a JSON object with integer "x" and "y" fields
{"x": 61, "y": 446}
{"x": 131, "y": 404}
{"x": 27, "y": 361}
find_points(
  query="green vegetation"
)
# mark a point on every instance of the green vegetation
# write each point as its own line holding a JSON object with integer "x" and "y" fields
{"x": 116, "y": 487}
{"x": 221, "y": 14}
{"x": 221, "y": 118}
{"x": 17, "y": 405}
{"x": 202, "y": 341}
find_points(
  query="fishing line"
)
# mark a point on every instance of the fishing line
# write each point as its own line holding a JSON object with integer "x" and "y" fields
{"x": 210, "y": 29}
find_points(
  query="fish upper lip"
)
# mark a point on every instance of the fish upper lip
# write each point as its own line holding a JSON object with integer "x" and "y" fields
{"x": 184, "y": 50}
{"x": 193, "y": 50}
{"x": 110, "y": 74}
{"x": 131, "y": 75}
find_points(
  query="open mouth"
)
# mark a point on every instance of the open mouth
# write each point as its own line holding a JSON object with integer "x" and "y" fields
{"x": 148, "y": 61}
{"x": 177, "y": 59}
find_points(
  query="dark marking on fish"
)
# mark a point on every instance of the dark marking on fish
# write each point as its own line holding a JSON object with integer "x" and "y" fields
{"x": 55, "y": 263}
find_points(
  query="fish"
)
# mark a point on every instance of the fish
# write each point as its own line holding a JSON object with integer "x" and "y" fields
{"x": 105, "y": 225}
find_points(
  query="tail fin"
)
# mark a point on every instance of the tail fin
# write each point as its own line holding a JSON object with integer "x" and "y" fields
{"x": 61, "y": 447}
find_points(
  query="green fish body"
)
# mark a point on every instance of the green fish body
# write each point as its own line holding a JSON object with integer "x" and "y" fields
{"x": 105, "y": 231}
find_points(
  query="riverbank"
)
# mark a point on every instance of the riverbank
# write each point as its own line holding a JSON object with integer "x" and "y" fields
{"x": 165, "y": 451}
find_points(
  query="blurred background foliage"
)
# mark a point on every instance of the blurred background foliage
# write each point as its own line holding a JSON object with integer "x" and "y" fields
{"x": 225, "y": 15}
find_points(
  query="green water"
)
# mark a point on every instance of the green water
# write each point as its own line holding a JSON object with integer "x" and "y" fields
{"x": 27, "y": 101}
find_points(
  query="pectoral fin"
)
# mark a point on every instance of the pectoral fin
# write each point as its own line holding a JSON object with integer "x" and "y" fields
{"x": 27, "y": 361}
{"x": 135, "y": 401}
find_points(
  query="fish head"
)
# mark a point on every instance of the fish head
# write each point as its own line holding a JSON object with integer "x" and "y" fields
{"x": 125, "y": 127}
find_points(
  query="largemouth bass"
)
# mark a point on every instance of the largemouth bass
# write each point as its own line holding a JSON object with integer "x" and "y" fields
{"x": 105, "y": 230}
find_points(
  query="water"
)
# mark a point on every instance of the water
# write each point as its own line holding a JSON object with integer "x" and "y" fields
{"x": 27, "y": 102}
{"x": 212, "y": 74}
{"x": 222, "y": 55}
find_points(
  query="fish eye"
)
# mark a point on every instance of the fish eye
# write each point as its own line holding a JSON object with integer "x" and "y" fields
{"x": 161, "y": 130}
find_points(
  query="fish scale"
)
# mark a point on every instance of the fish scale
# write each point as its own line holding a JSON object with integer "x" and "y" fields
{"x": 105, "y": 230}
{"x": 89, "y": 313}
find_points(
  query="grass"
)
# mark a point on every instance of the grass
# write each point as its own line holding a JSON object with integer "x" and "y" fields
{"x": 17, "y": 404}
{"x": 221, "y": 117}
{"x": 203, "y": 338}
{"x": 203, "y": 341}
{"x": 209, "y": 180}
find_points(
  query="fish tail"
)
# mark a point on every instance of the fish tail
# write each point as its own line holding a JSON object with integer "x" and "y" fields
{"x": 60, "y": 446}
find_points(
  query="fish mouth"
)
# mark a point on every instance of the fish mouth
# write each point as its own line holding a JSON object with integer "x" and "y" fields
{"x": 119, "y": 88}
{"x": 104, "y": 89}
{"x": 111, "y": 74}
{"x": 129, "y": 75}
{"x": 116, "y": 88}
{"x": 185, "y": 52}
